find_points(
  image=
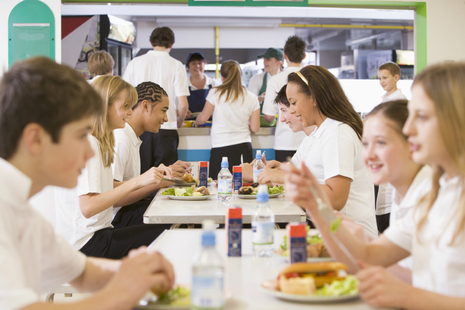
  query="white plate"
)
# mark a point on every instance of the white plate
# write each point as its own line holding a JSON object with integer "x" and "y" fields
{"x": 191, "y": 198}
{"x": 269, "y": 287}
{"x": 185, "y": 184}
{"x": 255, "y": 196}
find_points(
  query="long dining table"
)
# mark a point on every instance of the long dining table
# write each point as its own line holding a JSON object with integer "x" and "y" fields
{"x": 243, "y": 275}
{"x": 163, "y": 210}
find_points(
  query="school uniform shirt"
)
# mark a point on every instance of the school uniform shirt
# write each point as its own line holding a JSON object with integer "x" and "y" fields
{"x": 34, "y": 260}
{"x": 302, "y": 151}
{"x": 71, "y": 223}
{"x": 159, "y": 67}
{"x": 383, "y": 201}
{"x": 335, "y": 149}
{"x": 230, "y": 124}
{"x": 284, "y": 138}
{"x": 437, "y": 266}
{"x": 127, "y": 159}
{"x": 208, "y": 81}
{"x": 397, "y": 95}
{"x": 256, "y": 82}
{"x": 420, "y": 186}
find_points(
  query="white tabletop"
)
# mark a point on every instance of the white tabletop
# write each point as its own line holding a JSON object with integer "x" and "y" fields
{"x": 243, "y": 275}
{"x": 167, "y": 211}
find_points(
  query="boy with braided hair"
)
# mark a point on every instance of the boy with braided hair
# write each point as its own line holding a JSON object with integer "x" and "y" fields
{"x": 148, "y": 115}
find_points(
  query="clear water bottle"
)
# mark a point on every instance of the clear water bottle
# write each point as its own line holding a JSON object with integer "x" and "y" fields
{"x": 263, "y": 225}
{"x": 208, "y": 273}
{"x": 224, "y": 181}
{"x": 258, "y": 166}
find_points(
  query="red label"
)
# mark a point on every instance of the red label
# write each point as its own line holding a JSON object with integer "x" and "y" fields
{"x": 297, "y": 230}
{"x": 235, "y": 213}
{"x": 237, "y": 169}
{"x": 203, "y": 163}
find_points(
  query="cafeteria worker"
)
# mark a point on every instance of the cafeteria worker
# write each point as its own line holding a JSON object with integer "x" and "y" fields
{"x": 199, "y": 82}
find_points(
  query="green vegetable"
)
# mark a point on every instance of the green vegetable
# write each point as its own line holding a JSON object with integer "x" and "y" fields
{"x": 179, "y": 296}
{"x": 184, "y": 191}
{"x": 347, "y": 286}
{"x": 335, "y": 225}
{"x": 311, "y": 239}
{"x": 169, "y": 192}
{"x": 314, "y": 239}
{"x": 275, "y": 190}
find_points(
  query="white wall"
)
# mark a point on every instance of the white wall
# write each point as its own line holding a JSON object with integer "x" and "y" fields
{"x": 5, "y": 8}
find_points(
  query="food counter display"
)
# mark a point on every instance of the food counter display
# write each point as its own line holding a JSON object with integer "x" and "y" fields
{"x": 195, "y": 143}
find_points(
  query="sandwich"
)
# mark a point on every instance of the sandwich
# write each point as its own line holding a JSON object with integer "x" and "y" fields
{"x": 306, "y": 278}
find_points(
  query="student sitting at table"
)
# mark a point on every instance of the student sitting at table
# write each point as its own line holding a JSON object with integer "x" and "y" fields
{"x": 47, "y": 110}
{"x": 236, "y": 112}
{"x": 84, "y": 214}
{"x": 433, "y": 231}
{"x": 272, "y": 173}
{"x": 148, "y": 114}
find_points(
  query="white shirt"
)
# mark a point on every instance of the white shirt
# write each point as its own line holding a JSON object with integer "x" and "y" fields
{"x": 95, "y": 178}
{"x": 159, "y": 67}
{"x": 397, "y": 95}
{"x": 383, "y": 201}
{"x": 256, "y": 82}
{"x": 420, "y": 186}
{"x": 284, "y": 138}
{"x": 208, "y": 81}
{"x": 335, "y": 149}
{"x": 437, "y": 266}
{"x": 33, "y": 259}
{"x": 302, "y": 151}
{"x": 230, "y": 123}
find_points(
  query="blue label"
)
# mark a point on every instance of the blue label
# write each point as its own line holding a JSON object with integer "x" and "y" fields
{"x": 237, "y": 180}
{"x": 235, "y": 237}
{"x": 298, "y": 250}
{"x": 203, "y": 176}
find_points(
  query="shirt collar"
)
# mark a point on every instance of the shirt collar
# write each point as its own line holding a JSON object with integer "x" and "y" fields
{"x": 319, "y": 130}
{"x": 132, "y": 135}
{"x": 15, "y": 185}
{"x": 443, "y": 182}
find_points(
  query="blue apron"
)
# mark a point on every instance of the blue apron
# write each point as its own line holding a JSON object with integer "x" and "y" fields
{"x": 197, "y": 99}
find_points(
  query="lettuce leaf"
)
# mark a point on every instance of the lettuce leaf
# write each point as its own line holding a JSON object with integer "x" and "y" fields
{"x": 347, "y": 286}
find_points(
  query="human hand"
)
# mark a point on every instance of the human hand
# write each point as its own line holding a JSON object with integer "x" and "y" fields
{"x": 354, "y": 228}
{"x": 164, "y": 170}
{"x": 272, "y": 164}
{"x": 178, "y": 169}
{"x": 379, "y": 288}
{"x": 261, "y": 98}
{"x": 151, "y": 176}
{"x": 269, "y": 176}
{"x": 247, "y": 172}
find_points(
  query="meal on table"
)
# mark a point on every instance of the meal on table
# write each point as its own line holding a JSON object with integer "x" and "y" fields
{"x": 187, "y": 178}
{"x": 178, "y": 296}
{"x": 252, "y": 189}
{"x": 322, "y": 279}
{"x": 210, "y": 180}
{"x": 315, "y": 246}
{"x": 187, "y": 191}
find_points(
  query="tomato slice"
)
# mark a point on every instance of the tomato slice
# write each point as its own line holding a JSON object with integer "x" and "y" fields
{"x": 292, "y": 275}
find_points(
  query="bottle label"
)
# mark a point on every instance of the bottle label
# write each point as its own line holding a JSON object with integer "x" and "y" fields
{"x": 262, "y": 233}
{"x": 225, "y": 186}
{"x": 256, "y": 173}
{"x": 207, "y": 293}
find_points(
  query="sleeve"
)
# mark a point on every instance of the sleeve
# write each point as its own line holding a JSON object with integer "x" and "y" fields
{"x": 255, "y": 85}
{"x": 211, "y": 97}
{"x": 122, "y": 157}
{"x": 338, "y": 156}
{"x": 128, "y": 75}
{"x": 269, "y": 107}
{"x": 254, "y": 104}
{"x": 181, "y": 87}
{"x": 403, "y": 232}
{"x": 89, "y": 181}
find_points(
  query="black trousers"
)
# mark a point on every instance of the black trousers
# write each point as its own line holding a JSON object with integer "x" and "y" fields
{"x": 233, "y": 152}
{"x": 132, "y": 214}
{"x": 158, "y": 148}
{"x": 282, "y": 156}
{"x": 116, "y": 243}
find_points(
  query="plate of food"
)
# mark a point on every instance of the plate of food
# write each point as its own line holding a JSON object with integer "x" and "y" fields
{"x": 186, "y": 180}
{"x": 178, "y": 298}
{"x": 316, "y": 250}
{"x": 313, "y": 282}
{"x": 250, "y": 192}
{"x": 187, "y": 193}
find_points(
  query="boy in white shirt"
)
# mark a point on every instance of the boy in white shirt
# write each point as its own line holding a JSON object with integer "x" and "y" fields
{"x": 389, "y": 75}
{"x": 47, "y": 111}
{"x": 148, "y": 115}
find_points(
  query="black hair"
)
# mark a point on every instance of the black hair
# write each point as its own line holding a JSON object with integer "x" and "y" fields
{"x": 281, "y": 97}
{"x": 295, "y": 49}
{"x": 149, "y": 91}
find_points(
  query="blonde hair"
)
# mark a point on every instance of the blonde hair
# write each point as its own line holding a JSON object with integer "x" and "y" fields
{"x": 444, "y": 85}
{"x": 110, "y": 87}
{"x": 232, "y": 85}
{"x": 100, "y": 63}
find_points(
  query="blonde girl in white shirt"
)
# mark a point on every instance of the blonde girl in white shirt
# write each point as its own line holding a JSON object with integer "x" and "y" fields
{"x": 433, "y": 231}
{"x": 236, "y": 112}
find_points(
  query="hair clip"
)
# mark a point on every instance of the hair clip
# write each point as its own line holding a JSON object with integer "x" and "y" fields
{"x": 302, "y": 77}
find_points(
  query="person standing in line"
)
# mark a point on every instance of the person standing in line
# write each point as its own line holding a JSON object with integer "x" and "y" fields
{"x": 286, "y": 142}
{"x": 273, "y": 60}
{"x": 159, "y": 67}
{"x": 199, "y": 83}
{"x": 100, "y": 63}
{"x": 236, "y": 112}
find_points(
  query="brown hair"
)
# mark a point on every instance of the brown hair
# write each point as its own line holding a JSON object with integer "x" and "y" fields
{"x": 232, "y": 85}
{"x": 162, "y": 36}
{"x": 295, "y": 49}
{"x": 396, "y": 111}
{"x": 444, "y": 85}
{"x": 281, "y": 97}
{"x": 100, "y": 63}
{"x": 330, "y": 99}
{"x": 390, "y": 66}
{"x": 40, "y": 91}
{"x": 110, "y": 87}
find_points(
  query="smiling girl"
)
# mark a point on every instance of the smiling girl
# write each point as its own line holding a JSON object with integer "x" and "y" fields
{"x": 334, "y": 154}
{"x": 433, "y": 231}
{"x": 84, "y": 214}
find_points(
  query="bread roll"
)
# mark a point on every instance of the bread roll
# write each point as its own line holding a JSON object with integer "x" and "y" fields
{"x": 297, "y": 286}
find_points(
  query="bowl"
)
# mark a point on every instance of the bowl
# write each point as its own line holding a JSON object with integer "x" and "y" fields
{"x": 264, "y": 123}
{"x": 188, "y": 124}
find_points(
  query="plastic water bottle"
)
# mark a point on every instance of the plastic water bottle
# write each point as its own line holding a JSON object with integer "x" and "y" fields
{"x": 258, "y": 166}
{"x": 263, "y": 225}
{"x": 224, "y": 181}
{"x": 208, "y": 273}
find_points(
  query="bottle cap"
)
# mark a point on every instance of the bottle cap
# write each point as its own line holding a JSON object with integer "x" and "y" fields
{"x": 258, "y": 155}
{"x": 208, "y": 225}
{"x": 224, "y": 163}
{"x": 262, "y": 194}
